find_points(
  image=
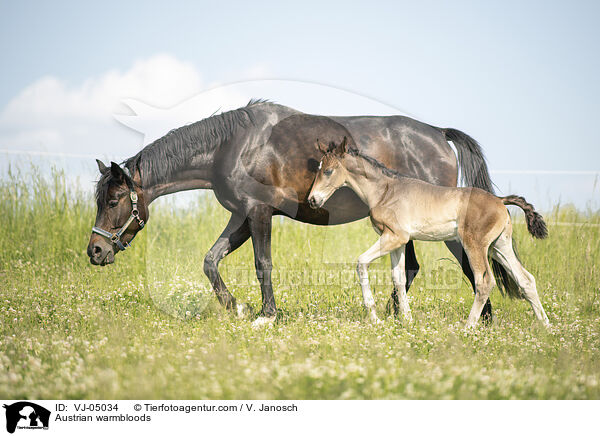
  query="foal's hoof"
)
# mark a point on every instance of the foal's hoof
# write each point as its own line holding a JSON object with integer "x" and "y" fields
{"x": 263, "y": 321}
{"x": 470, "y": 326}
{"x": 407, "y": 318}
{"x": 244, "y": 311}
{"x": 375, "y": 320}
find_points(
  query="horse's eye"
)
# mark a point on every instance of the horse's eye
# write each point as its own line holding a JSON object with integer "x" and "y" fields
{"x": 328, "y": 172}
{"x": 113, "y": 203}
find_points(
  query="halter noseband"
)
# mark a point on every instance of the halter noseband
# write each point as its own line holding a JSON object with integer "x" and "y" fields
{"x": 115, "y": 238}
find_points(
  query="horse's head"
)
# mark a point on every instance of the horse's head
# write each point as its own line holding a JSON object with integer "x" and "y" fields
{"x": 331, "y": 175}
{"x": 122, "y": 212}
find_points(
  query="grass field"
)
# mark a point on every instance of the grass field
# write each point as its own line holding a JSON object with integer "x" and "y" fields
{"x": 149, "y": 327}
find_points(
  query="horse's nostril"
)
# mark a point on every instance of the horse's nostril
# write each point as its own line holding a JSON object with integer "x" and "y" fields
{"x": 97, "y": 249}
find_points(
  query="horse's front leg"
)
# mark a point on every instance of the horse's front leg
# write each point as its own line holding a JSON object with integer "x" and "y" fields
{"x": 259, "y": 220}
{"x": 235, "y": 234}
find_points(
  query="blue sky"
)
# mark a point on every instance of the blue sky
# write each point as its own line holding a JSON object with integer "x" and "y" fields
{"x": 520, "y": 77}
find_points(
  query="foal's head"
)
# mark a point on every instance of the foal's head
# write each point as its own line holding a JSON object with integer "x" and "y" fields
{"x": 331, "y": 174}
{"x": 122, "y": 211}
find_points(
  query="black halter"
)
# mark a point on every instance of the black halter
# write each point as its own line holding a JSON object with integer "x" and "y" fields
{"x": 115, "y": 238}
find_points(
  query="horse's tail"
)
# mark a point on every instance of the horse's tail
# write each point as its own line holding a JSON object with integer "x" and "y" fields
{"x": 535, "y": 222}
{"x": 470, "y": 160}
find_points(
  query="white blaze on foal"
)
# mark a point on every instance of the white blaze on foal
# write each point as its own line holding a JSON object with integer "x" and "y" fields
{"x": 404, "y": 209}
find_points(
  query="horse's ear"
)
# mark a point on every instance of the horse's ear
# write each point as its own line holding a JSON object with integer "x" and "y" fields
{"x": 343, "y": 147}
{"x": 103, "y": 168}
{"x": 117, "y": 172}
{"x": 322, "y": 147}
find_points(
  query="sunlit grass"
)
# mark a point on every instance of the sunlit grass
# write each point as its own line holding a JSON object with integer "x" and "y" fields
{"x": 148, "y": 325}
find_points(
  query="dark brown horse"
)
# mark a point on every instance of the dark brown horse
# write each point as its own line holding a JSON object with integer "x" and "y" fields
{"x": 260, "y": 161}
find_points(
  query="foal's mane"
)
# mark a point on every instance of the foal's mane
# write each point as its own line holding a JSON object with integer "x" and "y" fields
{"x": 375, "y": 163}
{"x": 160, "y": 159}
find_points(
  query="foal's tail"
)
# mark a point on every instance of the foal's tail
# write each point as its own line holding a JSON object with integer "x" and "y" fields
{"x": 535, "y": 222}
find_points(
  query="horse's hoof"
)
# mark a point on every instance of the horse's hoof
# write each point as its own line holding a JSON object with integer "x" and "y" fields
{"x": 263, "y": 321}
{"x": 489, "y": 320}
{"x": 389, "y": 307}
{"x": 244, "y": 311}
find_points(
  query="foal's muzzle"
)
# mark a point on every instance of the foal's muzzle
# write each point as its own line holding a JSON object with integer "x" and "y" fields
{"x": 315, "y": 202}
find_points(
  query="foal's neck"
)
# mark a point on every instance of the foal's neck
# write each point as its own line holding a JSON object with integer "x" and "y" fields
{"x": 365, "y": 179}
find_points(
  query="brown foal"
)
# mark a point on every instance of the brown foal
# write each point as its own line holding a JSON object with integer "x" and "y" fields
{"x": 404, "y": 209}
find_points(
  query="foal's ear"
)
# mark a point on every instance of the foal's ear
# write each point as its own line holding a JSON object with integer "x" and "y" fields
{"x": 343, "y": 147}
{"x": 103, "y": 168}
{"x": 323, "y": 148}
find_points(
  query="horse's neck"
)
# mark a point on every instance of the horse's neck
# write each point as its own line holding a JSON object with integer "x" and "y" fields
{"x": 367, "y": 181}
{"x": 196, "y": 171}
{"x": 197, "y": 175}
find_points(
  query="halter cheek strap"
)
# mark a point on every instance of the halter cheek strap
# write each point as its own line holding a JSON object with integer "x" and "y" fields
{"x": 115, "y": 238}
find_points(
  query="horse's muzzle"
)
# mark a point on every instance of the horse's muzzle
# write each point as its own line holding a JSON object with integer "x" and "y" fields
{"x": 99, "y": 254}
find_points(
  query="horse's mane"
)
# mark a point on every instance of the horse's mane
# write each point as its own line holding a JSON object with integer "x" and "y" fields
{"x": 160, "y": 159}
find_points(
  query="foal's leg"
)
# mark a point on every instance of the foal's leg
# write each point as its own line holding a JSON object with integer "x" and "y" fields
{"x": 400, "y": 281}
{"x": 504, "y": 253}
{"x": 410, "y": 271}
{"x": 382, "y": 247}
{"x": 457, "y": 250}
{"x": 484, "y": 281}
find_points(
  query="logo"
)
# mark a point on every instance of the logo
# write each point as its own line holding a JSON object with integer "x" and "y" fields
{"x": 26, "y": 415}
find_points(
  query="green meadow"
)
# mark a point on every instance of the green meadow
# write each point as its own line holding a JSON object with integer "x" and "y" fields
{"x": 149, "y": 326}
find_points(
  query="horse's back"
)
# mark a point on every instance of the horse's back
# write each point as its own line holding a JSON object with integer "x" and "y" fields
{"x": 283, "y": 157}
{"x": 409, "y": 146}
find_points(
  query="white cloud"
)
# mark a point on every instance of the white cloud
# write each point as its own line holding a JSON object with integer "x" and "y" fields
{"x": 161, "y": 80}
{"x": 54, "y": 115}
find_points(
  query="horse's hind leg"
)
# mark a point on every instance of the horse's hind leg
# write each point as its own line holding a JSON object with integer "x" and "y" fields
{"x": 400, "y": 282}
{"x": 503, "y": 252}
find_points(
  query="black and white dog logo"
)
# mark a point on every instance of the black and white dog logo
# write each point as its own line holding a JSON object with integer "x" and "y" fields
{"x": 26, "y": 415}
